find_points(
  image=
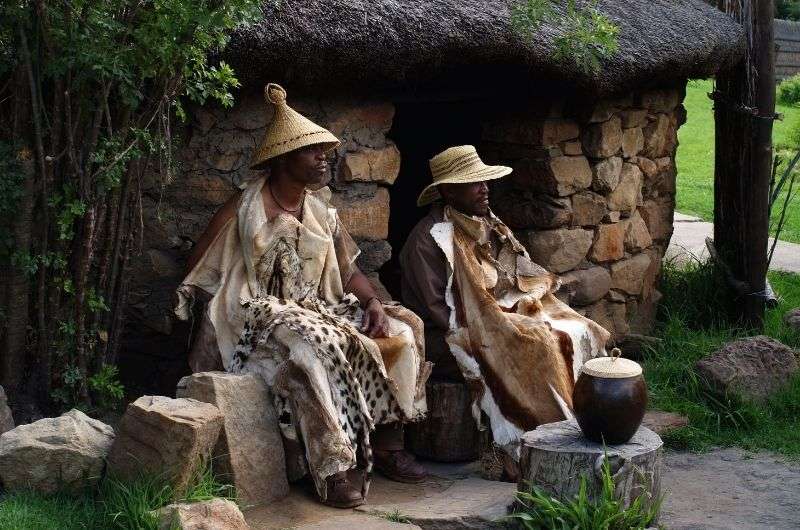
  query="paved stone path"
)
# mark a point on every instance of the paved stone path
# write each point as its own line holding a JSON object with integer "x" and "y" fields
{"x": 689, "y": 240}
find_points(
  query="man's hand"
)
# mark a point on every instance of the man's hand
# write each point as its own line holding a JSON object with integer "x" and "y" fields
{"x": 375, "y": 323}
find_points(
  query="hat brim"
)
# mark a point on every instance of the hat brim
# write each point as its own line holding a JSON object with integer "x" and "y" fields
{"x": 431, "y": 192}
{"x": 323, "y": 138}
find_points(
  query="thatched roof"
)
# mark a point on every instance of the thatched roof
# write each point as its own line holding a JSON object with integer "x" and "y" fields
{"x": 400, "y": 44}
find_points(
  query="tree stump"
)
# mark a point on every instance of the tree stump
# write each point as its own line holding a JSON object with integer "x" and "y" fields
{"x": 555, "y": 456}
{"x": 449, "y": 433}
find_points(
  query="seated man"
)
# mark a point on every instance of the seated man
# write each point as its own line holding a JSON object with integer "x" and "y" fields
{"x": 288, "y": 303}
{"x": 489, "y": 311}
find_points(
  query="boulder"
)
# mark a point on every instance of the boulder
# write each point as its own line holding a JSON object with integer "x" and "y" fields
{"x": 610, "y": 315}
{"x": 547, "y": 133}
{"x": 558, "y": 250}
{"x": 372, "y": 165}
{"x": 583, "y": 287}
{"x": 649, "y": 168}
{"x": 572, "y": 148}
{"x": 364, "y": 211}
{"x": 657, "y": 215}
{"x": 249, "y": 452}
{"x": 602, "y": 140}
{"x": 628, "y": 275}
{"x": 6, "y": 419}
{"x": 588, "y": 208}
{"x": 161, "y": 436}
{"x": 560, "y": 175}
{"x": 752, "y": 368}
{"x": 524, "y": 209}
{"x": 605, "y": 174}
{"x": 66, "y": 453}
{"x": 373, "y": 255}
{"x": 626, "y": 195}
{"x": 214, "y": 514}
{"x": 633, "y": 118}
{"x": 658, "y": 137}
{"x": 661, "y": 100}
{"x": 791, "y": 319}
{"x": 609, "y": 243}
{"x": 636, "y": 235}
{"x": 661, "y": 422}
{"x": 632, "y": 142}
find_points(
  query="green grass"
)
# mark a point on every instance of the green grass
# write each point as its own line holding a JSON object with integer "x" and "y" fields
{"x": 690, "y": 328}
{"x": 695, "y": 157}
{"x": 115, "y": 505}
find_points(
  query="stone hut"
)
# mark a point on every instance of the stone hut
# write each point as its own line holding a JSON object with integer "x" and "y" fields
{"x": 592, "y": 193}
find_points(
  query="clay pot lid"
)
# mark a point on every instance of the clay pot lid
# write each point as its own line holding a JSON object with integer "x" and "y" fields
{"x": 613, "y": 367}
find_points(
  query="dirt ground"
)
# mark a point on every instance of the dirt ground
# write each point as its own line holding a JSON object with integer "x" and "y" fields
{"x": 729, "y": 489}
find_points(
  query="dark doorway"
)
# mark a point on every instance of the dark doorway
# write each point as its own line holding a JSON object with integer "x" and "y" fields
{"x": 421, "y": 130}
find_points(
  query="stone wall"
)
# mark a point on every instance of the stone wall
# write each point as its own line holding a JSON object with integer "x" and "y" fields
{"x": 592, "y": 196}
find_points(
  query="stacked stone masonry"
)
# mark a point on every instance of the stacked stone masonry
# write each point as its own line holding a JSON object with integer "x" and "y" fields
{"x": 591, "y": 196}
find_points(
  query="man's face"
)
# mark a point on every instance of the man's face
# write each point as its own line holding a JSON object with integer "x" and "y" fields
{"x": 307, "y": 164}
{"x": 470, "y": 199}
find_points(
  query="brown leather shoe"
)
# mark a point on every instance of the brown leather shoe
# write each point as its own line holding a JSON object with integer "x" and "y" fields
{"x": 341, "y": 492}
{"x": 400, "y": 466}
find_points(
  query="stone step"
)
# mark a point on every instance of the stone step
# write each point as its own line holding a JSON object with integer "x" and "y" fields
{"x": 454, "y": 497}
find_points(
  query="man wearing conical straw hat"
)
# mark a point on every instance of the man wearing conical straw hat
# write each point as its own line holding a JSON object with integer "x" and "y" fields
{"x": 489, "y": 311}
{"x": 288, "y": 303}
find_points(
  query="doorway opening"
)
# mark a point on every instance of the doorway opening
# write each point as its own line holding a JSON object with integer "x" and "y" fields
{"x": 421, "y": 130}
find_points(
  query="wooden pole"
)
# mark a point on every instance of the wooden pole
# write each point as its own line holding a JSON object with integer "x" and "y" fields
{"x": 743, "y": 111}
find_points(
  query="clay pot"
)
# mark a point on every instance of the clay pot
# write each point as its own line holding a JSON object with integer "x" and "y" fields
{"x": 610, "y": 398}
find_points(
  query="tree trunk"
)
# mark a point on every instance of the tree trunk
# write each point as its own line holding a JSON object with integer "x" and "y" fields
{"x": 743, "y": 111}
{"x": 555, "y": 456}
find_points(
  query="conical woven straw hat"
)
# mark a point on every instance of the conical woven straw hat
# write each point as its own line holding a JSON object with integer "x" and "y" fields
{"x": 458, "y": 165}
{"x": 288, "y": 130}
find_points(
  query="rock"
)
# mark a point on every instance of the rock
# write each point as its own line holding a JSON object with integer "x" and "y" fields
{"x": 364, "y": 216}
{"x": 583, "y": 287}
{"x": 632, "y": 142}
{"x": 163, "y": 264}
{"x": 641, "y": 314}
{"x": 633, "y": 118}
{"x": 657, "y": 137}
{"x": 226, "y": 162}
{"x": 201, "y": 190}
{"x": 611, "y": 316}
{"x": 661, "y": 100}
{"x": 214, "y": 514}
{"x": 372, "y": 165}
{"x": 657, "y": 215}
{"x": 609, "y": 243}
{"x": 611, "y": 217}
{"x": 752, "y": 368}
{"x": 605, "y": 174}
{"x": 664, "y": 181}
{"x": 662, "y": 422}
{"x": 66, "y": 453}
{"x": 626, "y": 195}
{"x": 588, "y": 208}
{"x": 636, "y": 235}
{"x": 6, "y": 419}
{"x": 561, "y": 175}
{"x": 627, "y": 275}
{"x": 603, "y": 140}
{"x": 249, "y": 452}
{"x": 523, "y": 209}
{"x": 558, "y": 250}
{"x": 165, "y": 437}
{"x": 362, "y": 124}
{"x": 648, "y": 167}
{"x": 791, "y": 319}
{"x": 373, "y": 255}
{"x": 572, "y": 148}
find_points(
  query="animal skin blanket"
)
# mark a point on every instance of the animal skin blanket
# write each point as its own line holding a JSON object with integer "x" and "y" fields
{"x": 519, "y": 347}
{"x": 278, "y": 309}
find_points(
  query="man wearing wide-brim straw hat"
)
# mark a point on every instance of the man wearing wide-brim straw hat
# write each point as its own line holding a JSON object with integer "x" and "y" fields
{"x": 288, "y": 303}
{"x": 489, "y": 311}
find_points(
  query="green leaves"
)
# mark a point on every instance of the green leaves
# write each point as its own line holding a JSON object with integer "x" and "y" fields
{"x": 586, "y": 36}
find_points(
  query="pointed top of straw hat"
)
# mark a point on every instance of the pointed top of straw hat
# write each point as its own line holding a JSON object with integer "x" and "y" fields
{"x": 288, "y": 130}
{"x": 458, "y": 165}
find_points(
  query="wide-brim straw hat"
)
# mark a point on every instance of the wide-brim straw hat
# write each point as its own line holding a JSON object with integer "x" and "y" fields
{"x": 458, "y": 165}
{"x": 288, "y": 130}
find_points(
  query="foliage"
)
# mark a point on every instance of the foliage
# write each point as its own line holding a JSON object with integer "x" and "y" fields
{"x": 690, "y": 327}
{"x": 788, "y": 90}
{"x": 116, "y": 505}
{"x": 540, "y": 511}
{"x": 92, "y": 88}
{"x": 586, "y": 36}
{"x": 787, "y": 9}
{"x": 695, "y": 158}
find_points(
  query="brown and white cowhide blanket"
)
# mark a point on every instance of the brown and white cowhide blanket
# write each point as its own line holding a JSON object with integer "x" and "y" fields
{"x": 519, "y": 347}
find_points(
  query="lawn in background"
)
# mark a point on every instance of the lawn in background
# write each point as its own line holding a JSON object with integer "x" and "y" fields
{"x": 695, "y": 158}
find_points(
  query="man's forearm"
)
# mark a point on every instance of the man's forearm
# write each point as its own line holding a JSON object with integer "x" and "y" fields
{"x": 360, "y": 286}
